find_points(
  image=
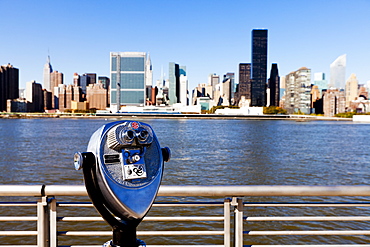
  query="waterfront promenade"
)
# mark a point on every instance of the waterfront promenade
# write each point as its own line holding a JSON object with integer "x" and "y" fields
{"x": 171, "y": 116}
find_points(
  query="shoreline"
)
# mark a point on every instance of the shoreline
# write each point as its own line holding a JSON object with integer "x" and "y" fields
{"x": 298, "y": 118}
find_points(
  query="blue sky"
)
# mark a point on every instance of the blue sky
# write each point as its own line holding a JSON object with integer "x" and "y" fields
{"x": 206, "y": 36}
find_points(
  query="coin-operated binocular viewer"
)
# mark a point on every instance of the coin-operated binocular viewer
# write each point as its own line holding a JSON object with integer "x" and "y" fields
{"x": 123, "y": 169}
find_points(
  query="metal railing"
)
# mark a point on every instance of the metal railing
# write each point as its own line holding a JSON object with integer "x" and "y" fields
{"x": 235, "y": 214}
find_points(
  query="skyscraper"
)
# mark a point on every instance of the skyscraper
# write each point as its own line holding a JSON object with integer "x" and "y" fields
{"x": 35, "y": 96}
{"x": 244, "y": 87}
{"x": 148, "y": 72}
{"x": 227, "y": 89}
{"x": 127, "y": 78}
{"x": 351, "y": 89}
{"x": 56, "y": 79}
{"x": 47, "y": 71}
{"x": 85, "y": 80}
{"x": 174, "y": 83}
{"x": 259, "y": 67}
{"x": 9, "y": 84}
{"x": 274, "y": 85}
{"x": 338, "y": 72}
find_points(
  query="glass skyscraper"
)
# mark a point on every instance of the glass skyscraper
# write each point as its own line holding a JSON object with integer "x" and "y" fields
{"x": 259, "y": 67}
{"x": 338, "y": 72}
{"x": 274, "y": 85}
{"x": 177, "y": 84}
{"x": 127, "y": 78}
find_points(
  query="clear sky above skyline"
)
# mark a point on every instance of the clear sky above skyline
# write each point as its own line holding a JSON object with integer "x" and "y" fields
{"x": 205, "y": 36}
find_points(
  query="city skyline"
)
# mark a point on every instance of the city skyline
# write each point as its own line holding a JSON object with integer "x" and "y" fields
{"x": 300, "y": 35}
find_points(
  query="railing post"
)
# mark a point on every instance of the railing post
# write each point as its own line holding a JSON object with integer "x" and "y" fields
{"x": 42, "y": 222}
{"x": 53, "y": 223}
{"x": 238, "y": 218}
{"x": 227, "y": 222}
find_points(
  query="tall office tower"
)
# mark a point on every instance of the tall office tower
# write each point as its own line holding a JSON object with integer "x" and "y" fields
{"x": 320, "y": 81}
{"x": 35, "y": 96}
{"x": 47, "y": 99}
{"x": 149, "y": 82}
{"x": 77, "y": 94}
{"x": 244, "y": 86}
{"x": 127, "y": 78}
{"x": 65, "y": 97}
{"x": 274, "y": 85}
{"x": 47, "y": 70}
{"x": 298, "y": 91}
{"x": 148, "y": 72}
{"x": 9, "y": 85}
{"x": 232, "y": 88}
{"x": 174, "y": 83}
{"x": 183, "y": 92}
{"x": 334, "y": 102}
{"x": 338, "y": 72}
{"x": 227, "y": 89}
{"x": 259, "y": 67}
{"x": 56, "y": 78}
{"x": 351, "y": 89}
{"x": 213, "y": 80}
{"x": 106, "y": 84}
{"x": 76, "y": 79}
{"x": 85, "y": 80}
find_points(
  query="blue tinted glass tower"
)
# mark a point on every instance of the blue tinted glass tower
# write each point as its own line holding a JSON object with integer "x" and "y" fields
{"x": 259, "y": 67}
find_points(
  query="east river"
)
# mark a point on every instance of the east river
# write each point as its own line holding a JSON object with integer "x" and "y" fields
{"x": 206, "y": 152}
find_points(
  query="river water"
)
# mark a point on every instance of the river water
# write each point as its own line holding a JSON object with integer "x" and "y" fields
{"x": 205, "y": 152}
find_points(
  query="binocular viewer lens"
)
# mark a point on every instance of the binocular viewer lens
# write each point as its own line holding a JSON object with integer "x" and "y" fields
{"x": 131, "y": 134}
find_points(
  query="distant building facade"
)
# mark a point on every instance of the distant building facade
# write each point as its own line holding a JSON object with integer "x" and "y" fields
{"x": 47, "y": 96}
{"x": 34, "y": 95}
{"x": 97, "y": 96}
{"x": 226, "y": 90}
{"x": 334, "y": 102}
{"x": 184, "y": 92}
{"x": 320, "y": 81}
{"x": 56, "y": 79}
{"x": 298, "y": 91}
{"x": 128, "y": 84}
{"x": 274, "y": 86}
{"x": 244, "y": 86}
{"x": 9, "y": 85}
{"x": 259, "y": 67}
{"x": 338, "y": 72}
{"x": 106, "y": 84}
{"x": 351, "y": 89}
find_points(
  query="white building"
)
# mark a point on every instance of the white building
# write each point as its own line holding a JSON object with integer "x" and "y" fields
{"x": 184, "y": 93}
{"x": 338, "y": 72}
{"x": 47, "y": 71}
